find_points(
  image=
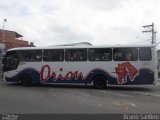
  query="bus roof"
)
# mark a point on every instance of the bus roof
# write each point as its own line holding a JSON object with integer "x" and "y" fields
{"x": 92, "y": 46}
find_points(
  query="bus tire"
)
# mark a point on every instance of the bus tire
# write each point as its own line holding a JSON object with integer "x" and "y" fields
{"x": 26, "y": 80}
{"x": 99, "y": 82}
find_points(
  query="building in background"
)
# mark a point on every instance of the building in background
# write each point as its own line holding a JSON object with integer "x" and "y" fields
{"x": 12, "y": 39}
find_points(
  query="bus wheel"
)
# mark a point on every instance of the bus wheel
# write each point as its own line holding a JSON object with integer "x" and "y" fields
{"x": 26, "y": 80}
{"x": 99, "y": 82}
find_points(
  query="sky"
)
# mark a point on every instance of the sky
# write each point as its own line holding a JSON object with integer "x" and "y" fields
{"x": 55, "y": 22}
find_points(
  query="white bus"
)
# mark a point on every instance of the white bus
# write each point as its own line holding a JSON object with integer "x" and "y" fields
{"x": 98, "y": 65}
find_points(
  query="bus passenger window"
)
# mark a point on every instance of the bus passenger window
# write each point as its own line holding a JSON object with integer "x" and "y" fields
{"x": 76, "y": 55}
{"x": 145, "y": 54}
{"x": 100, "y": 54}
{"x": 68, "y": 56}
{"x": 31, "y": 55}
{"x": 128, "y": 56}
{"x": 125, "y": 54}
{"x": 53, "y": 55}
{"x": 38, "y": 56}
{"x": 117, "y": 56}
{"x": 106, "y": 57}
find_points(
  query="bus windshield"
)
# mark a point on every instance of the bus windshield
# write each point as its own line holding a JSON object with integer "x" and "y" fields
{"x": 11, "y": 61}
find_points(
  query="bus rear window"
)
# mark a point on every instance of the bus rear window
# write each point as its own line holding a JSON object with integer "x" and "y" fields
{"x": 145, "y": 54}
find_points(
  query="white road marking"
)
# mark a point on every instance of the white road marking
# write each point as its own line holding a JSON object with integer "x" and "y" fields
{"x": 113, "y": 93}
{"x": 148, "y": 94}
{"x": 119, "y": 94}
{"x": 124, "y": 104}
{"x": 132, "y": 104}
{"x": 102, "y": 91}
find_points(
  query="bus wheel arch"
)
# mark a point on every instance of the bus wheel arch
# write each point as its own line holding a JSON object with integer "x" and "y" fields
{"x": 99, "y": 81}
{"x": 26, "y": 80}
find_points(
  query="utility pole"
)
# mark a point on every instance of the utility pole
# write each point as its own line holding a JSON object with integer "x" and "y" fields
{"x": 5, "y": 20}
{"x": 151, "y": 29}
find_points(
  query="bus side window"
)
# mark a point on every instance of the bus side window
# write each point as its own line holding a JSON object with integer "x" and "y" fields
{"x": 145, "y": 54}
{"x": 125, "y": 54}
{"x": 32, "y": 55}
{"x": 129, "y": 57}
{"x": 100, "y": 54}
{"x": 106, "y": 57}
{"x": 117, "y": 55}
{"x": 53, "y": 55}
{"x": 38, "y": 56}
{"x": 76, "y": 55}
{"x": 67, "y": 55}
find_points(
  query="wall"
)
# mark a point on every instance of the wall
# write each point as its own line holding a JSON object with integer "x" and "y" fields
{"x": 11, "y": 40}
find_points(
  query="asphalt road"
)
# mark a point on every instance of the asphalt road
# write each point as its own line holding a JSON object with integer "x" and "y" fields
{"x": 52, "y": 99}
